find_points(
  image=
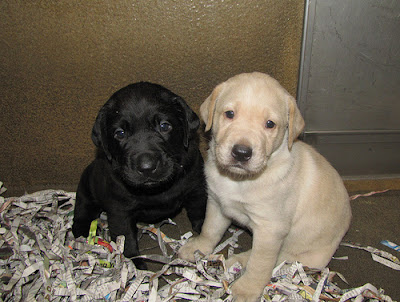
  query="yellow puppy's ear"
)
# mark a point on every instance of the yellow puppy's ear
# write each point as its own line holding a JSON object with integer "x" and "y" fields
{"x": 296, "y": 122}
{"x": 207, "y": 109}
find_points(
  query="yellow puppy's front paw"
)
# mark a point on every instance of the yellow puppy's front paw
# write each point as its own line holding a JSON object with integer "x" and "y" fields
{"x": 186, "y": 252}
{"x": 246, "y": 290}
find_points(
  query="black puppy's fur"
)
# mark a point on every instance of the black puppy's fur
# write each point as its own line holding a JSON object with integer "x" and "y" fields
{"x": 147, "y": 168}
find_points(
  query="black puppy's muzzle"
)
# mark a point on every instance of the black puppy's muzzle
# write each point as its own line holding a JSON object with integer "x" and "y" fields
{"x": 147, "y": 164}
{"x": 147, "y": 168}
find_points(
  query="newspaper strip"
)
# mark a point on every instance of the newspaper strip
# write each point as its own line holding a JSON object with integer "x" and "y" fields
{"x": 367, "y": 194}
{"x": 321, "y": 285}
{"x": 232, "y": 241}
{"x": 390, "y": 244}
{"x": 380, "y": 256}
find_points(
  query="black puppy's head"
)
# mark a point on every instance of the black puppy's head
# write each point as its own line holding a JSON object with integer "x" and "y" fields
{"x": 145, "y": 131}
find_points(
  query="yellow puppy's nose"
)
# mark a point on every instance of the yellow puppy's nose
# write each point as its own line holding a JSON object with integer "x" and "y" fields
{"x": 241, "y": 153}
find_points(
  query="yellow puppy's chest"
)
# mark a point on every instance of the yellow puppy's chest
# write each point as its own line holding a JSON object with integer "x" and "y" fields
{"x": 251, "y": 203}
{"x": 236, "y": 210}
{"x": 237, "y": 201}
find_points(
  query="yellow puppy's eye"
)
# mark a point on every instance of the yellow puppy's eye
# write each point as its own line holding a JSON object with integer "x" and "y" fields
{"x": 270, "y": 124}
{"x": 229, "y": 114}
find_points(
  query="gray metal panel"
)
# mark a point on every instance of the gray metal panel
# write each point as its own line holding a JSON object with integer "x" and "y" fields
{"x": 360, "y": 155}
{"x": 349, "y": 86}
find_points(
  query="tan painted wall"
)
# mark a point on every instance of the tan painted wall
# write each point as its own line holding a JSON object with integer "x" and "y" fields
{"x": 61, "y": 60}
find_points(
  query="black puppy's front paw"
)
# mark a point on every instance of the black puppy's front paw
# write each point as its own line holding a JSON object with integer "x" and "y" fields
{"x": 140, "y": 264}
{"x": 80, "y": 229}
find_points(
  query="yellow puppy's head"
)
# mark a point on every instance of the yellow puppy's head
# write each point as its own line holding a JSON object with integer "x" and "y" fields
{"x": 251, "y": 115}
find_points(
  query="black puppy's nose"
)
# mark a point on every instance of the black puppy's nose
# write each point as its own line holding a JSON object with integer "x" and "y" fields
{"x": 146, "y": 164}
{"x": 241, "y": 152}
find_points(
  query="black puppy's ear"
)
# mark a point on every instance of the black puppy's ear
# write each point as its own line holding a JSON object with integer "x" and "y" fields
{"x": 99, "y": 132}
{"x": 191, "y": 121}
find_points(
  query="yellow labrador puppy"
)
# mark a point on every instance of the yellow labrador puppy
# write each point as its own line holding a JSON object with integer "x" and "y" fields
{"x": 261, "y": 177}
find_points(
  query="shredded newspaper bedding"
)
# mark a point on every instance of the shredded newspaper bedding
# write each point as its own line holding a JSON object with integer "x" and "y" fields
{"x": 40, "y": 260}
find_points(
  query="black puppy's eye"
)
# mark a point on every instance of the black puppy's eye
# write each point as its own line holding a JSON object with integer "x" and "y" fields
{"x": 165, "y": 127}
{"x": 270, "y": 124}
{"x": 119, "y": 134}
{"x": 229, "y": 114}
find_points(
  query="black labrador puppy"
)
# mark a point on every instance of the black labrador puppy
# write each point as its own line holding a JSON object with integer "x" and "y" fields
{"x": 148, "y": 165}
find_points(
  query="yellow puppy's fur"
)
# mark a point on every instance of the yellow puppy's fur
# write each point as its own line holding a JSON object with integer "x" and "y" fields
{"x": 286, "y": 193}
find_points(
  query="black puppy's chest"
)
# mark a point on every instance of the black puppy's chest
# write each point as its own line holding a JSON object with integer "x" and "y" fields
{"x": 155, "y": 213}
{"x": 145, "y": 207}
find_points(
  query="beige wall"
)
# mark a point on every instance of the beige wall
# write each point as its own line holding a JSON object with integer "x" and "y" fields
{"x": 61, "y": 60}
